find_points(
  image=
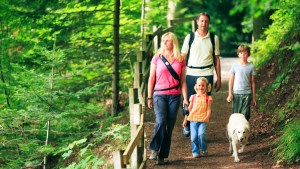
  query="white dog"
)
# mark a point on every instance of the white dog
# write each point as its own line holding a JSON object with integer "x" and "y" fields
{"x": 238, "y": 131}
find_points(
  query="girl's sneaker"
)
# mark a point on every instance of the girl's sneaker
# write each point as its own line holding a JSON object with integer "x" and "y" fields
{"x": 196, "y": 155}
{"x": 205, "y": 153}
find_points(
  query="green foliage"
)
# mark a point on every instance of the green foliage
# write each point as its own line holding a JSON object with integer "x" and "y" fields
{"x": 284, "y": 24}
{"x": 56, "y": 64}
{"x": 252, "y": 9}
{"x": 287, "y": 147}
{"x": 81, "y": 149}
{"x": 157, "y": 14}
{"x": 119, "y": 133}
{"x": 277, "y": 56}
{"x": 280, "y": 81}
{"x": 88, "y": 160}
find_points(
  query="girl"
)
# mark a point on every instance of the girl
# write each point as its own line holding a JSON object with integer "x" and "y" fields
{"x": 200, "y": 112}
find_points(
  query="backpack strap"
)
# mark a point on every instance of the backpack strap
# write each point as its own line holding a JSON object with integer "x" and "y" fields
{"x": 212, "y": 39}
{"x": 192, "y": 36}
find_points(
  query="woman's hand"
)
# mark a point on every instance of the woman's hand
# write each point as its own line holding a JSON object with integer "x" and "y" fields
{"x": 185, "y": 102}
{"x": 150, "y": 102}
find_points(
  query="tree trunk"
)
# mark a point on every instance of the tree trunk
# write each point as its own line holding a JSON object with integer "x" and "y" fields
{"x": 115, "y": 75}
{"x": 171, "y": 12}
{"x": 4, "y": 55}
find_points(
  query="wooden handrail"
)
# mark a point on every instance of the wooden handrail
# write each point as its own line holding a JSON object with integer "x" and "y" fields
{"x": 133, "y": 143}
{"x": 182, "y": 20}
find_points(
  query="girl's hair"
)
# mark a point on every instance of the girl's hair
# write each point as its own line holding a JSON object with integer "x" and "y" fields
{"x": 203, "y": 79}
{"x": 204, "y": 14}
{"x": 243, "y": 48}
{"x": 176, "y": 51}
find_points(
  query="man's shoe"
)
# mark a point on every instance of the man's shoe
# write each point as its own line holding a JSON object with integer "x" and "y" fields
{"x": 160, "y": 161}
{"x": 153, "y": 155}
{"x": 205, "y": 153}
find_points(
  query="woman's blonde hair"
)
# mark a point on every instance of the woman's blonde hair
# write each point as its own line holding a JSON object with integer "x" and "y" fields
{"x": 176, "y": 51}
{"x": 203, "y": 79}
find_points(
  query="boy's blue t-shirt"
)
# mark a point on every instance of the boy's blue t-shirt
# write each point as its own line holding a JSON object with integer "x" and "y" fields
{"x": 242, "y": 78}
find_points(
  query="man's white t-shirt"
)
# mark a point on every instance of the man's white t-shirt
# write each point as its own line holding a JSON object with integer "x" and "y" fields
{"x": 200, "y": 54}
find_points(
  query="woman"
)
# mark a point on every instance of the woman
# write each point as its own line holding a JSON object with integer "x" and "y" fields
{"x": 166, "y": 90}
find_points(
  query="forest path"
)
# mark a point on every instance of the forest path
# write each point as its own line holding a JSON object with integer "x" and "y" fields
{"x": 255, "y": 155}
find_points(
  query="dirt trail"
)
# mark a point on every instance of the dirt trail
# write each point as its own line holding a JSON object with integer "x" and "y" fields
{"x": 255, "y": 155}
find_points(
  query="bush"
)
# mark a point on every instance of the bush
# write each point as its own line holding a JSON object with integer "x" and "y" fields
{"x": 287, "y": 146}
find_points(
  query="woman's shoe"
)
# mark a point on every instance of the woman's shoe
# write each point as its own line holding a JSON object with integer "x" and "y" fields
{"x": 153, "y": 155}
{"x": 160, "y": 161}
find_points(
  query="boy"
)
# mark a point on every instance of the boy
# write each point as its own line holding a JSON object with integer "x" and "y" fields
{"x": 242, "y": 83}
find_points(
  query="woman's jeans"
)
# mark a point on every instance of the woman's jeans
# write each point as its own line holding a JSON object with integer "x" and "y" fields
{"x": 165, "y": 108}
{"x": 198, "y": 137}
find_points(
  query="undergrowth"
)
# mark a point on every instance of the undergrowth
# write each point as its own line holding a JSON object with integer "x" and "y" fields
{"x": 277, "y": 58}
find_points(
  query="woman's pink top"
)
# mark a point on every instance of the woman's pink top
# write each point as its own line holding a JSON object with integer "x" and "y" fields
{"x": 164, "y": 78}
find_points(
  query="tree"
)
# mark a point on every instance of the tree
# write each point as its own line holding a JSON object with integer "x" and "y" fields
{"x": 115, "y": 81}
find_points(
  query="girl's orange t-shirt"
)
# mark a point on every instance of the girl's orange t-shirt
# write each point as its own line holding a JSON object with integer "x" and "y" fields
{"x": 198, "y": 110}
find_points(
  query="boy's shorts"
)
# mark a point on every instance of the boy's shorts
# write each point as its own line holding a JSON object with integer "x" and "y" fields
{"x": 241, "y": 104}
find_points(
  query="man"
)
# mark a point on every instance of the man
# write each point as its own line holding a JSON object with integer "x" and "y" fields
{"x": 201, "y": 62}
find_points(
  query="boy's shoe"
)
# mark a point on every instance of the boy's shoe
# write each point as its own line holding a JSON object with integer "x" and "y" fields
{"x": 160, "y": 161}
{"x": 153, "y": 155}
{"x": 205, "y": 153}
{"x": 186, "y": 132}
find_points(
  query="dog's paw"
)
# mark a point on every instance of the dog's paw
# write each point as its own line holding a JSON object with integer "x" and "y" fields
{"x": 236, "y": 159}
{"x": 241, "y": 149}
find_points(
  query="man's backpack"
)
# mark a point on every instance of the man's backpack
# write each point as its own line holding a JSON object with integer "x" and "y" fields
{"x": 212, "y": 39}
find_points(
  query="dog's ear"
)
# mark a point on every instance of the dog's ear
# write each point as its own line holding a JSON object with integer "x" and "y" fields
{"x": 247, "y": 130}
{"x": 233, "y": 132}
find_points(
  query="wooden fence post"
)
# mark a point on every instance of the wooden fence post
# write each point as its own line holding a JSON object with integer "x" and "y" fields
{"x": 133, "y": 99}
{"x": 157, "y": 39}
{"x": 194, "y": 25}
{"x": 118, "y": 159}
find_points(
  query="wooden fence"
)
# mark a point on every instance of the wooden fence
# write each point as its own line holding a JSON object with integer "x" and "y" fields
{"x": 134, "y": 156}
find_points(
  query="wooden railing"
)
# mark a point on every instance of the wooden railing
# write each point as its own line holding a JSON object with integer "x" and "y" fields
{"x": 135, "y": 154}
